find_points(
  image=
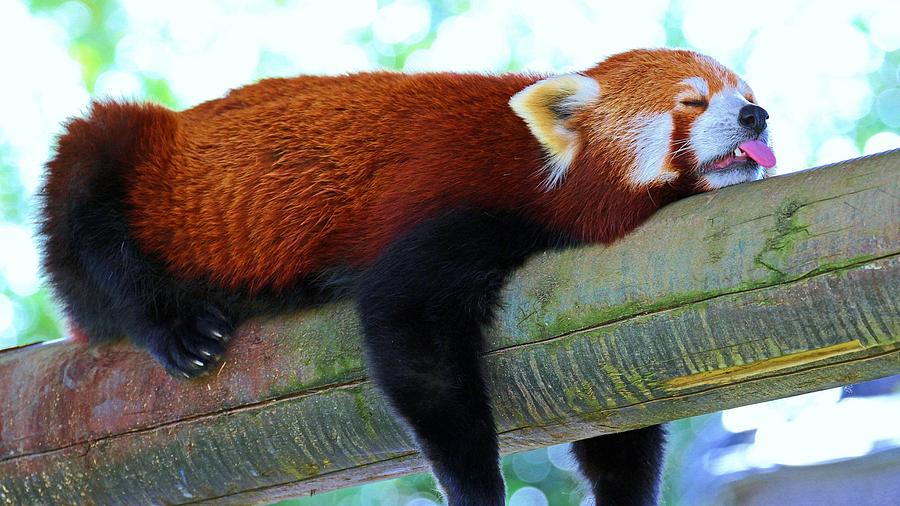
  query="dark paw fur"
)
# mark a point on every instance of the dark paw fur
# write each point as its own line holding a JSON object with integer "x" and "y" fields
{"x": 194, "y": 345}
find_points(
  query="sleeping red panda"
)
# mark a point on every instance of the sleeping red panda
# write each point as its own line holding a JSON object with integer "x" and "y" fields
{"x": 415, "y": 194}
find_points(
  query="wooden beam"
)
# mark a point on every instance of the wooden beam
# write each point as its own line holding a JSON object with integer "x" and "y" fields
{"x": 750, "y": 293}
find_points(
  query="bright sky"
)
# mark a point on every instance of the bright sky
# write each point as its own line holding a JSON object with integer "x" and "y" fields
{"x": 808, "y": 62}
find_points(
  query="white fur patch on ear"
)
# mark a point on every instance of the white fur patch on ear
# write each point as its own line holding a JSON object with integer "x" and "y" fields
{"x": 653, "y": 135}
{"x": 545, "y": 106}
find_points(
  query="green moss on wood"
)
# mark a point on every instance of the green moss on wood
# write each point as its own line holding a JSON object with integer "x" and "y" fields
{"x": 678, "y": 319}
{"x": 788, "y": 230}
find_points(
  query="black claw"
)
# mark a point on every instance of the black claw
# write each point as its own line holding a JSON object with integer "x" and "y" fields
{"x": 193, "y": 346}
{"x": 216, "y": 312}
{"x": 214, "y": 324}
{"x": 219, "y": 336}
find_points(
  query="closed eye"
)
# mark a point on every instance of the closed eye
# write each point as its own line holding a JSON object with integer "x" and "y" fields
{"x": 694, "y": 103}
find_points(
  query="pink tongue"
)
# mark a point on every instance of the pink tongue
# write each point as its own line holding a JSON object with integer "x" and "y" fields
{"x": 760, "y": 152}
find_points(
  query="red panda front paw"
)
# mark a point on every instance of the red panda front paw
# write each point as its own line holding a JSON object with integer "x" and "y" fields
{"x": 195, "y": 345}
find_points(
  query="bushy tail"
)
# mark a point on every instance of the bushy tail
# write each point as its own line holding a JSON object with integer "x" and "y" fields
{"x": 90, "y": 257}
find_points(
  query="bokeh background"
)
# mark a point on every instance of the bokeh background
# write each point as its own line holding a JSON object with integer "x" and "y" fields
{"x": 828, "y": 72}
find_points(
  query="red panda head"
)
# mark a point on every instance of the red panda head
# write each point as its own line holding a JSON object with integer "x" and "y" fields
{"x": 652, "y": 117}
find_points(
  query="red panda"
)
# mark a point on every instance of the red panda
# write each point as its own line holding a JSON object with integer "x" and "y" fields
{"x": 415, "y": 194}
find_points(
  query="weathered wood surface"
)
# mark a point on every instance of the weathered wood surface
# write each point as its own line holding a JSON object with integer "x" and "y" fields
{"x": 747, "y": 294}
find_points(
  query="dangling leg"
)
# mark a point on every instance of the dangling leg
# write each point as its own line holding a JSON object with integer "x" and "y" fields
{"x": 623, "y": 469}
{"x": 432, "y": 378}
{"x": 423, "y": 305}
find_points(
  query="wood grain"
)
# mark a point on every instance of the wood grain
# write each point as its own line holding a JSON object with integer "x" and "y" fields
{"x": 750, "y": 293}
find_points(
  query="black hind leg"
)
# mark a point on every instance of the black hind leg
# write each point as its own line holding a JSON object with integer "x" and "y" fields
{"x": 184, "y": 327}
{"x": 423, "y": 305}
{"x": 109, "y": 286}
{"x": 433, "y": 379}
{"x": 112, "y": 289}
{"x": 623, "y": 469}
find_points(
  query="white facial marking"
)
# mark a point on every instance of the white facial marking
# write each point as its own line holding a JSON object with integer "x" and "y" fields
{"x": 717, "y": 129}
{"x": 651, "y": 148}
{"x": 699, "y": 84}
{"x": 724, "y": 178}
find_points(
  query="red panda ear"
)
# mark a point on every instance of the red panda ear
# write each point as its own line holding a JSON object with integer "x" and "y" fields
{"x": 545, "y": 106}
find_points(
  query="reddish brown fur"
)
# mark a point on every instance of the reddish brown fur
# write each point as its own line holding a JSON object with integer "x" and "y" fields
{"x": 647, "y": 81}
{"x": 174, "y": 227}
{"x": 287, "y": 177}
{"x": 290, "y": 176}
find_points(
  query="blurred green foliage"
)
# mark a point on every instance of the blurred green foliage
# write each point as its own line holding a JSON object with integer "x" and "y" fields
{"x": 93, "y": 35}
{"x": 34, "y": 316}
{"x": 92, "y": 41}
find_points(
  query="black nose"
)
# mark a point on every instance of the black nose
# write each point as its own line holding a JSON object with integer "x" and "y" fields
{"x": 753, "y": 117}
